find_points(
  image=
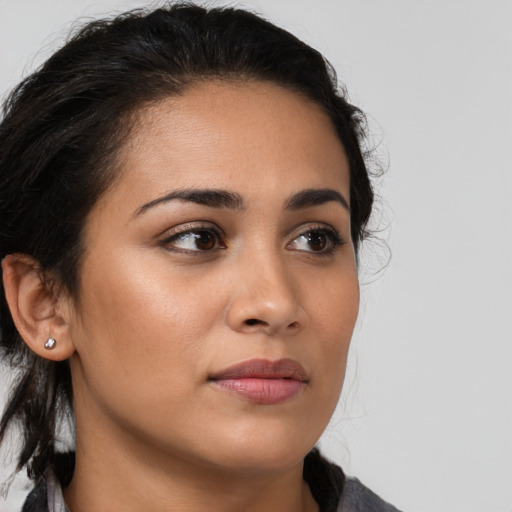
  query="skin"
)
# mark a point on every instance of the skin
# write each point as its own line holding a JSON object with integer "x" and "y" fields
{"x": 158, "y": 314}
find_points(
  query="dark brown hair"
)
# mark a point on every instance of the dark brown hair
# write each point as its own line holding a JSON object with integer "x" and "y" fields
{"x": 62, "y": 127}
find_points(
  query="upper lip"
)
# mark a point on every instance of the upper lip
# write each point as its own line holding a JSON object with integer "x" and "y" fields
{"x": 263, "y": 369}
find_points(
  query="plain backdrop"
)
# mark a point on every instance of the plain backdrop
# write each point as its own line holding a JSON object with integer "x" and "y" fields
{"x": 426, "y": 414}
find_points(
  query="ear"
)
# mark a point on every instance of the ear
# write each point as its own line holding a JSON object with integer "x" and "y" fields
{"x": 36, "y": 310}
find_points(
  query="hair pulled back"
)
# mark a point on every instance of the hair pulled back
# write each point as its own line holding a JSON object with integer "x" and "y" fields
{"x": 60, "y": 134}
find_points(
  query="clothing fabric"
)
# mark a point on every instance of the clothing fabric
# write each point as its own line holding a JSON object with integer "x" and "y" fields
{"x": 354, "y": 498}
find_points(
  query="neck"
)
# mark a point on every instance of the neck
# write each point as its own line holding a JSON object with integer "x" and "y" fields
{"x": 113, "y": 472}
{"x": 121, "y": 483}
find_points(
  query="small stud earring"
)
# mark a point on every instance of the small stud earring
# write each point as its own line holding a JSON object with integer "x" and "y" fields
{"x": 50, "y": 343}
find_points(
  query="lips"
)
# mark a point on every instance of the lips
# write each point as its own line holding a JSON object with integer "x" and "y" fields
{"x": 262, "y": 381}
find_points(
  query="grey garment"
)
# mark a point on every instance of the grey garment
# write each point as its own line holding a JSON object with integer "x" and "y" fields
{"x": 56, "y": 501}
{"x": 355, "y": 498}
{"x": 358, "y": 498}
{"x": 46, "y": 497}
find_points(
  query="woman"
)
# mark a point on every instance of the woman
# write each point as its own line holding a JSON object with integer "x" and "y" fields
{"x": 183, "y": 196}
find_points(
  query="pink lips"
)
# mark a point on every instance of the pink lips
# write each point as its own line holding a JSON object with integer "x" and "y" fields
{"x": 262, "y": 381}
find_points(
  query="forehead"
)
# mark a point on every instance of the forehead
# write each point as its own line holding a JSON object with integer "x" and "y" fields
{"x": 240, "y": 134}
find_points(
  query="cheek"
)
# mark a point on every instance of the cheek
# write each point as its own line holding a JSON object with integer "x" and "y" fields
{"x": 334, "y": 305}
{"x": 334, "y": 314}
{"x": 142, "y": 328}
{"x": 140, "y": 298}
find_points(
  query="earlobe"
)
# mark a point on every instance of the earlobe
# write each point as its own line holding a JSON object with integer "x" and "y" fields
{"x": 36, "y": 311}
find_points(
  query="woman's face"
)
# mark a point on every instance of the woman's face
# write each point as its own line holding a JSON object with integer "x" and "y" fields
{"x": 219, "y": 288}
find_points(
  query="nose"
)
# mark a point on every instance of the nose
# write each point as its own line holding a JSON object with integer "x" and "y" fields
{"x": 266, "y": 299}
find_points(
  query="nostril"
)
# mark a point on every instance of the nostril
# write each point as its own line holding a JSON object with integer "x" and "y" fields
{"x": 255, "y": 321}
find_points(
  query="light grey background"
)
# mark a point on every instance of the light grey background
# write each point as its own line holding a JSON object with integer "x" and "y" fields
{"x": 426, "y": 415}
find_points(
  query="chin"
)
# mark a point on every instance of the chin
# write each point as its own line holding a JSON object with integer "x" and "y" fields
{"x": 261, "y": 462}
{"x": 264, "y": 450}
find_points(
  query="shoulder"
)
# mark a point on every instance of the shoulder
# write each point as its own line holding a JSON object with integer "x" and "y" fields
{"x": 358, "y": 498}
{"x": 334, "y": 492}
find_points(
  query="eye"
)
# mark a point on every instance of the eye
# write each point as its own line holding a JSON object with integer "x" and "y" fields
{"x": 194, "y": 239}
{"x": 322, "y": 241}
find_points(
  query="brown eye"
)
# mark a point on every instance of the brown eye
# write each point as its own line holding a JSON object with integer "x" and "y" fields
{"x": 317, "y": 240}
{"x": 194, "y": 240}
{"x": 321, "y": 241}
{"x": 205, "y": 240}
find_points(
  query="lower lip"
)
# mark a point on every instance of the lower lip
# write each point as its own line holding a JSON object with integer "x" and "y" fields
{"x": 263, "y": 391}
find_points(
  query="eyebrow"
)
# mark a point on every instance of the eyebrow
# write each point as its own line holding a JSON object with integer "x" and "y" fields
{"x": 225, "y": 199}
{"x": 315, "y": 197}
{"x": 207, "y": 197}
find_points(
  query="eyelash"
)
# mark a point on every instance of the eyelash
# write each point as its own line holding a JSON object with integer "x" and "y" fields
{"x": 193, "y": 229}
{"x": 333, "y": 239}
